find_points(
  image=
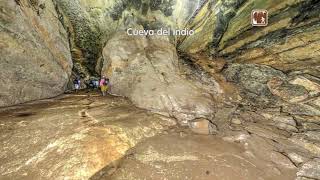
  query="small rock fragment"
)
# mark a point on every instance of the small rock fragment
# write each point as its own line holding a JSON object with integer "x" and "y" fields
{"x": 203, "y": 126}
{"x": 182, "y": 134}
{"x": 236, "y": 121}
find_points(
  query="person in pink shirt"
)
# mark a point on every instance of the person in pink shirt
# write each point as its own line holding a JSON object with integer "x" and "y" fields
{"x": 102, "y": 81}
{"x": 104, "y": 85}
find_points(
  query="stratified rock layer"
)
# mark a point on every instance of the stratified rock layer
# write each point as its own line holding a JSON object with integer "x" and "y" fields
{"x": 35, "y": 59}
{"x": 289, "y": 42}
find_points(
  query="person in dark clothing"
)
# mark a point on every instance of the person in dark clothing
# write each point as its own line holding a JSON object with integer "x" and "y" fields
{"x": 91, "y": 84}
{"x": 76, "y": 83}
{"x": 95, "y": 84}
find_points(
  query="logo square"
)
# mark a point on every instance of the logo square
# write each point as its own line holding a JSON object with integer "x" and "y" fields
{"x": 259, "y": 17}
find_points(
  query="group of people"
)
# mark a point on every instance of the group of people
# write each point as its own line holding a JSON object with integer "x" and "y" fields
{"x": 104, "y": 84}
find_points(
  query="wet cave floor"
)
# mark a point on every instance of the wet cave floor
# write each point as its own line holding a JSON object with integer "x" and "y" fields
{"x": 86, "y": 136}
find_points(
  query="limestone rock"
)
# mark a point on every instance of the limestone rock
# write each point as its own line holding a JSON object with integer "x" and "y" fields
{"x": 253, "y": 80}
{"x": 35, "y": 59}
{"x": 93, "y": 23}
{"x": 286, "y": 127}
{"x": 257, "y": 74}
{"x": 307, "y": 119}
{"x": 312, "y": 84}
{"x": 310, "y": 169}
{"x": 286, "y": 91}
{"x": 285, "y": 123}
{"x": 304, "y": 178}
{"x": 236, "y": 121}
{"x": 281, "y": 160}
{"x": 48, "y": 144}
{"x": 209, "y": 64}
{"x": 266, "y": 132}
{"x": 296, "y": 158}
{"x": 204, "y": 74}
{"x": 307, "y": 143}
{"x": 303, "y": 109}
{"x": 271, "y": 111}
{"x": 202, "y": 126}
{"x": 313, "y": 136}
{"x": 196, "y": 157}
{"x": 146, "y": 71}
{"x": 237, "y": 137}
{"x": 225, "y": 29}
{"x": 209, "y": 23}
{"x": 310, "y": 126}
{"x": 249, "y": 116}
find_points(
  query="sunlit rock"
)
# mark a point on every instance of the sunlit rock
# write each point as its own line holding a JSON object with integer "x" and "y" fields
{"x": 145, "y": 69}
{"x": 310, "y": 170}
{"x": 35, "y": 58}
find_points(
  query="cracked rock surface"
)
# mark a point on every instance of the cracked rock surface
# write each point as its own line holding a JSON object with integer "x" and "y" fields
{"x": 108, "y": 138}
{"x": 72, "y": 136}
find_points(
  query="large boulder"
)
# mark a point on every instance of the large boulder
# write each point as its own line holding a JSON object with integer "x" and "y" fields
{"x": 35, "y": 59}
{"x": 145, "y": 69}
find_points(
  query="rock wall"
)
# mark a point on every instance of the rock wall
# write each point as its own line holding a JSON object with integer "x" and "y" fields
{"x": 39, "y": 33}
{"x": 35, "y": 59}
{"x": 93, "y": 23}
{"x": 263, "y": 85}
{"x": 290, "y": 42}
{"x": 223, "y": 28}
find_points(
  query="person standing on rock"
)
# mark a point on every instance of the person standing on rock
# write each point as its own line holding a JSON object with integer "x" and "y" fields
{"x": 104, "y": 85}
{"x": 76, "y": 83}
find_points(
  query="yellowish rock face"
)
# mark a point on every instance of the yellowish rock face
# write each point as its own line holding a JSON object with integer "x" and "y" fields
{"x": 289, "y": 42}
{"x": 35, "y": 58}
{"x": 222, "y": 28}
